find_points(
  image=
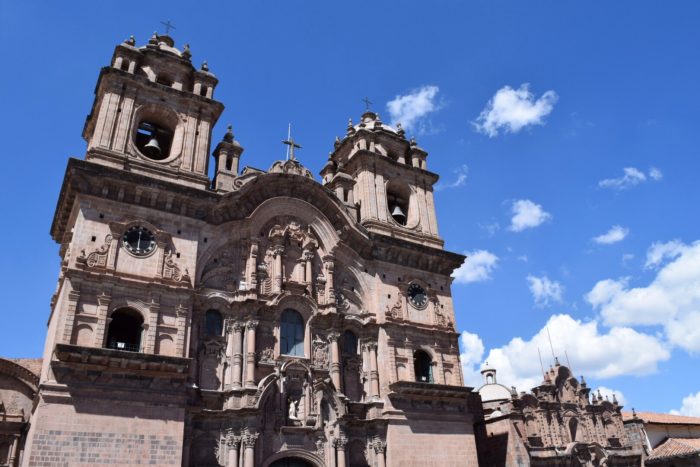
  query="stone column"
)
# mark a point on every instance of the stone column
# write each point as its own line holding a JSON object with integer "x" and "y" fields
{"x": 234, "y": 444}
{"x": 373, "y": 372}
{"x": 335, "y": 359}
{"x": 181, "y": 313}
{"x": 250, "y": 354}
{"x": 13, "y": 451}
{"x": 365, "y": 370}
{"x": 103, "y": 301}
{"x": 237, "y": 360}
{"x": 380, "y": 451}
{"x": 69, "y": 318}
{"x": 329, "y": 264}
{"x": 277, "y": 277}
{"x": 253, "y": 265}
{"x": 249, "y": 452}
{"x": 340, "y": 444}
{"x": 308, "y": 266}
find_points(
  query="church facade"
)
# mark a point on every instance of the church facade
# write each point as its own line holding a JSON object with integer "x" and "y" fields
{"x": 261, "y": 318}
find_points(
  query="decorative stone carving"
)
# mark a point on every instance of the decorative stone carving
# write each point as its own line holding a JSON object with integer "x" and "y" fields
{"x": 98, "y": 258}
{"x": 265, "y": 341}
{"x": 291, "y": 166}
{"x": 171, "y": 271}
{"x": 320, "y": 352}
{"x": 441, "y": 318}
{"x": 395, "y": 311}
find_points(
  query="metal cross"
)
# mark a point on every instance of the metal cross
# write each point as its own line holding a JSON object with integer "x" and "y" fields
{"x": 168, "y": 26}
{"x": 290, "y": 142}
{"x": 367, "y": 102}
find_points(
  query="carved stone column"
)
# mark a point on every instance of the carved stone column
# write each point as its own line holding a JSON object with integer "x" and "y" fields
{"x": 151, "y": 328}
{"x": 250, "y": 353}
{"x": 380, "y": 451}
{"x": 237, "y": 358}
{"x": 278, "y": 251}
{"x": 234, "y": 443}
{"x": 69, "y": 319}
{"x": 181, "y": 314}
{"x": 13, "y": 450}
{"x": 329, "y": 265}
{"x": 103, "y": 301}
{"x": 373, "y": 372}
{"x": 340, "y": 444}
{"x": 249, "y": 451}
{"x": 253, "y": 265}
{"x": 365, "y": 370}
{"x": 335, "y": 359}
{"x": 308, "y": 266}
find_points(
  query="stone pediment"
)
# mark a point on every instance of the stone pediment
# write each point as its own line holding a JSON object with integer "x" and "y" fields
{"x": 291, "y": 166}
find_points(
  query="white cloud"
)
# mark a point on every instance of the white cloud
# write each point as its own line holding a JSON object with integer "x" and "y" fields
{"x": 655, "y": 174}
{"x": 607, "y": 392}
{"x": 616, "y": 234}
{"x": 476, "y": 268}
{"x": 461, "y": 179}
{"x": 690, "y": 407}
{"x": 631, "y": 177}
{"x": 659, "y": 252}
{"x": 413, "y": 107}
{"x": 544, "y": 290}
{"x": 527, "y": 215}
{"x": 511, "y": 110}
{"x": 619, "y": 351}
{"x": 671, "y": 300}
{"x": 471, "y": 357}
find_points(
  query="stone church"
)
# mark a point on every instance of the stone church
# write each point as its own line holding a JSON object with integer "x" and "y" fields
{"x": 262, "y": 318}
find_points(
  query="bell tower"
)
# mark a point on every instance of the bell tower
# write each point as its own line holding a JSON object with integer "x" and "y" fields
{"x": 154, "y": 112}
{"x": 382, "y": 175}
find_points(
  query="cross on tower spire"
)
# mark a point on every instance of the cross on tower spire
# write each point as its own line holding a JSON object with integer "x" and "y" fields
{"x": 168, "y": 26}
{"x": 291, "y": 143}
{"x": 367, "y": 102}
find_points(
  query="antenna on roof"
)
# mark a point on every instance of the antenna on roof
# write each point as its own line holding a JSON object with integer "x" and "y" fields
{"x": 550, "y": 343}
{"x": 567, "y": 362}
{"x": 541, "y": 365}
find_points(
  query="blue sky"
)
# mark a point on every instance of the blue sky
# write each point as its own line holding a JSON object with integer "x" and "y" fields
{"x": 564, "y": 132}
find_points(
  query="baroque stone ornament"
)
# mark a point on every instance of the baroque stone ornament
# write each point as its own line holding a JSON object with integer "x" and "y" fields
{"x": 395, "y": 311}
{"x": 320, "y": 352}
{"x": 98, "y": 258}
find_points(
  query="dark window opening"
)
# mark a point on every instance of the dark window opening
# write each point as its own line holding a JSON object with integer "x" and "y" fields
{"x": 203, "y": 91}
{"x": 349, "y": 343}
{"x": 125, "y": 65}
{"x": 423, "y": 366}
{"x": 154, "y": 141}
{"x": 398, "y": 208}
{"x": 125, "y": 330}
{"x": 214, "y": 323}
{"x": 292, "y": 333}
{"x": 164, "y": 80}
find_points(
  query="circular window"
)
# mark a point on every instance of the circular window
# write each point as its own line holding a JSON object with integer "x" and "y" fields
{"x": 417, "y": 295}
{"x": 139, "y": 240}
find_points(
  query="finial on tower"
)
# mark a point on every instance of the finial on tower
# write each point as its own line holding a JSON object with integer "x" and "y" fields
{"x": 205, "y": 66}
{"x": 168, "y": 26}
{"x": 291, "y": 144}
{"x": 186, "y": 53}
{"x": 367, "y": 102}
{"x": 154, "y": 38}
{"x": 131, "y": 40}
{"x": 228, "y": 137}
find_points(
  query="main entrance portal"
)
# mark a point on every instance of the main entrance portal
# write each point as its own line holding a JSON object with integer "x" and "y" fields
{"x": 290, "y": 462}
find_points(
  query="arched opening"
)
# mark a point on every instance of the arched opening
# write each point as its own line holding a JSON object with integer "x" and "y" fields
{"x": 292, "y": 333}
{"x": 165, "y": 80}
{"x": 291, "y": 462}
{"x": 423, "y": 366}
{"x": 349, "y": 343}
{"x": 154, "y": 140}
{"x": 4, "y": 453}
{"x": 213, "y": 323}
{"x": 125, "y": 329}
{"x": 489, "y": 379}
{"x": 398, "y": 196}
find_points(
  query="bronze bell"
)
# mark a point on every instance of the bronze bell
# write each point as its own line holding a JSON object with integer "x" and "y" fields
{"x": 152, "y": 148}
{"x": 398, "y": 215}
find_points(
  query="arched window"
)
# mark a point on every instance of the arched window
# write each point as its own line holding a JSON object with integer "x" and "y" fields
{"x": 423, "y": 366}
{"x": 292, "y": 333}
{"x": 214, "y": 323}
{"x": 349, "y": 343}
{"x": 573, "y": 427}
{"x": 125, "y": 330}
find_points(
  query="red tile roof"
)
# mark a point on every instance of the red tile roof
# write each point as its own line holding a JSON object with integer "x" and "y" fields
{"x": 662, "y": 418}
{"x": 675, "y": 447}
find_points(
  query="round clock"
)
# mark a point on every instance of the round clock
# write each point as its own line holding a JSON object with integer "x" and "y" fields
{"x": 139, "y": 240}
{"x": 417, "y": 295}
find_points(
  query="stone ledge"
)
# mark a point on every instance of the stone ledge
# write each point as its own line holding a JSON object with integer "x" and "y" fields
{"x": 120, "y": 359}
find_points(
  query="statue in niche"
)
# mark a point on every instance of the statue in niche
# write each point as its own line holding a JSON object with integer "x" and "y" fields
{"x": 293, "y": 410}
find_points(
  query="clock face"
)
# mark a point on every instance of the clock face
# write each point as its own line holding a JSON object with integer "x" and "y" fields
{"x": 417, "y": 295}
{"x": 139, "y": 240}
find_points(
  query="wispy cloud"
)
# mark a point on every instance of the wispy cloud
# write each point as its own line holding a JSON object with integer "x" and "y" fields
{"x": 461, "y": 179}
{"x": 690, "y": 406}
{"x": 631, "y": 177}
{"x": 510, "y": 110}
{"x": 411, "y": 109}
{"x": 477, "y": 267}
{"x": 544, "y": 290}
{"x": 616, "y": 234}
{"x": 527, "y": 215}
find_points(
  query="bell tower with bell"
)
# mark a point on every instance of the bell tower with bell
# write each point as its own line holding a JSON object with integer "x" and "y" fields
{"x": 154, "y": 112}
{"x": 382, "y": 175}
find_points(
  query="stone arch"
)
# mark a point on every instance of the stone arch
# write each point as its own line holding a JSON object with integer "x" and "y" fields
{"x": 125, "y": 330}
{"x": 294, "y": 453}
{"x": 163, "y": 116}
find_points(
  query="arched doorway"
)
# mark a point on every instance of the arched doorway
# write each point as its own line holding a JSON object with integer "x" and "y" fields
{"x": 291, "y": 462}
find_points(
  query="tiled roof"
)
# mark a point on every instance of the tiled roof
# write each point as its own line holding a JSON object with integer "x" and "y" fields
{"x": 675, "y": 447}
{"x": 662, "y": 418}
